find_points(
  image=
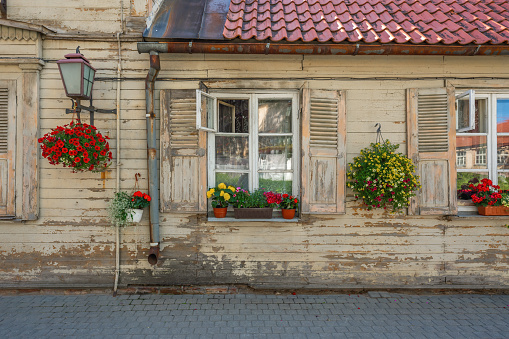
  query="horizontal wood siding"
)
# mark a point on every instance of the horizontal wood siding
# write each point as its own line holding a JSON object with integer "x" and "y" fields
{"x": 72, "y": 243}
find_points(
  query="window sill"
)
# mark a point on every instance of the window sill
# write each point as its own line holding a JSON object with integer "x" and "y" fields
{"x": 476, "y": 215}
{"x": 229, "y": 220}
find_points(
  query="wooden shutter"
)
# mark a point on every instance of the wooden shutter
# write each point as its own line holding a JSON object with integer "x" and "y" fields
{"x": 183, "y": 154}
{"x": 432, "y": 146}
{"x": 323, "y": 151}
{"x": 7, "y": 148}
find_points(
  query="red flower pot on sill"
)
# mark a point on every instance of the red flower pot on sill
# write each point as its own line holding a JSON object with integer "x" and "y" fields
{"x": 493, "y": 210}
{"x": 220, "y": 212}
{"x": 288, "y": 213}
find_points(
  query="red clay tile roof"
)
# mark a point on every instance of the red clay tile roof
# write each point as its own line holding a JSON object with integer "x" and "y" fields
{"x": 369, "y": 21}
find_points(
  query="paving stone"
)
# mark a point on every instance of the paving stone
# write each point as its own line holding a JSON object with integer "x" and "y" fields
{"x": 375, "y": 315}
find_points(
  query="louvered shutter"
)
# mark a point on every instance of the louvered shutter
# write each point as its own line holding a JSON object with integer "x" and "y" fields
{"x": 432, "y": 145}
{"x": 323, "y": 151}
{"x": 183, "y": 154}
{"x": 7, "y": 149}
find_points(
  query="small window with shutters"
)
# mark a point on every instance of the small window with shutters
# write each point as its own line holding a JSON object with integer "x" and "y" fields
{"x": 288, "y": 142}
{"x": 7, "y": 149}
{"x": 255, "y": 141}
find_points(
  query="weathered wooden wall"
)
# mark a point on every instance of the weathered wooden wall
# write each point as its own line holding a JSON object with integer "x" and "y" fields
{"x": 71, "y": 244}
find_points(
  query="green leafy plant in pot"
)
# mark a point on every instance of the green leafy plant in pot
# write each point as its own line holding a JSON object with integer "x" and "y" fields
{"x": 125, "y": 209}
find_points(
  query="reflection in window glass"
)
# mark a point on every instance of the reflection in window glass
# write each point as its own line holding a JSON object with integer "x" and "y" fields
{"x": 226, "y": 117}
{"x": 503, "y": 180}
{"x": 207, "y": 111}
{"x": 503, "y": 154}
{"x": 275, "y": 116}
{"x": 481, "y": 117}
{"x": 277, "y": 182}
{"x": 232, "y": 152}
{"x": 472, "y": 150}
{"x": 480, "y": 156}
{"x": 232, "y": 179}
{"x": 503, "y": 115}
{"x": 275, "y": 153}
{"x": 464, "y": 179}
{"x": 461, "y": 158}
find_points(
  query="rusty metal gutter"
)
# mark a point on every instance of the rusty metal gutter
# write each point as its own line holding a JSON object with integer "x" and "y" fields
{"x": 319, "y": 49}
{"x": 153, "y": 172}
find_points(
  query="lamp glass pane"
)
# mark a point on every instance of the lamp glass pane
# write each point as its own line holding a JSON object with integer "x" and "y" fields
{"x": 71, "y": 74}
{"x": 86, "y": 84}
{"x": 88, "y": 80}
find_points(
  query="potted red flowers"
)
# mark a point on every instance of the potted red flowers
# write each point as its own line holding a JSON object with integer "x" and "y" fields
{"x": 77, "y": 146}
{"x": 288, "y": 205}
{"x": 139, "y": 201}
{"x": 488, "y": 198}
{"x": 125, "y": 209}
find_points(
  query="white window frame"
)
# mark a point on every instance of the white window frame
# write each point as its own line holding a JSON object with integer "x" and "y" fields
{"x": 491, "y": 155}
{"x": 471, "y": 111}
{"x": 253, "y": 134}
{"x": 199, "y": 112}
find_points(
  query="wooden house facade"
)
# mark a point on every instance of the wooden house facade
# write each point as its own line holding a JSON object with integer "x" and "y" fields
{"x": 54, "y": 224}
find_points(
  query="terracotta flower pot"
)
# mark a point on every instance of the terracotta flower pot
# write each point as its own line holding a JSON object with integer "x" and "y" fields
{"x": 288, "y": 213}
{"x": 493, "y": 210}
{"x": 220, "y": 212}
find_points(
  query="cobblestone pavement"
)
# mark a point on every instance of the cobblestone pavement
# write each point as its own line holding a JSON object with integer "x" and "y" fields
{"x": 372, "y": 315}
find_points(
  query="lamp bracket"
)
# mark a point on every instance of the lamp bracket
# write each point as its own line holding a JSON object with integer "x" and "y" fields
{"x": 92, "y": 109}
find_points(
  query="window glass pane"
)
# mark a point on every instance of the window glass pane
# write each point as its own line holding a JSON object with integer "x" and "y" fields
{"x": 232, "y": 152}
{"x": 207, "y": 111}
{"x": 233, "y": 179}
{"x": 471, "y": 152}
{"x": 503, "y": 152}
{"x": 481, "y": 116}
{"x": 275, "y": 116}
{"x": 276, "y": 182}
{"x": 275, "y": 153}
{"x": 463, "y": 115}
{"x": 503, "y": 180}
{"x": 503, "y": 115}
{"x": 71, "y": 72}
{"x": 466, "y": 178}
{"x": 226, "y": 117}
{"x": 233, "y": 116}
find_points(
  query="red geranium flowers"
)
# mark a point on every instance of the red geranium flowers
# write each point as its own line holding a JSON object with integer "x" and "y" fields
{"x": 140, "y": 200}
{"x": 72, "y": 144}
{"x": 486, "y": 194}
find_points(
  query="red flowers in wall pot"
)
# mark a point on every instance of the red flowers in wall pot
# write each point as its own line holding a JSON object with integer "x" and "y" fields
{"x": 77, "y": 146}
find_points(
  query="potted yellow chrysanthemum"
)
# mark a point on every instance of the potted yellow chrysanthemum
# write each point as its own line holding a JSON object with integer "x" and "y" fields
{"x": 383, "y": 178}
{"x": 220, "y": 196}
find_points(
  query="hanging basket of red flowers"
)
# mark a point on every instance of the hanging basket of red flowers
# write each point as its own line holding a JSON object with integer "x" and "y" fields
{"x": 77, "y": 146}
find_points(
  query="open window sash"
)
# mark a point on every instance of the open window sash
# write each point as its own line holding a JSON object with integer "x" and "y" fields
{"x": 465, "y": 111}
{"x": 206, "y": 111}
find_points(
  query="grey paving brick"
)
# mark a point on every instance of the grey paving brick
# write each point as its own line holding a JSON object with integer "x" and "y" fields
{"x": 375, "y": 315}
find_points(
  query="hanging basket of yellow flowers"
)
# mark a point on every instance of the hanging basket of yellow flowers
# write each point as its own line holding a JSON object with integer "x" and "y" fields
{"x": 383, "y": 178}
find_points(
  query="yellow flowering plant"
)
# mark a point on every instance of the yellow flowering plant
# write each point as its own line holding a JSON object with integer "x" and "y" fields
{"x": 383, "y": 178}
{"x": 220, "y": 195}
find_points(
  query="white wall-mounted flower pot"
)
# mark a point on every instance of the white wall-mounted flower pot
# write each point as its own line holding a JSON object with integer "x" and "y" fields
{"x": 134, "y": 215}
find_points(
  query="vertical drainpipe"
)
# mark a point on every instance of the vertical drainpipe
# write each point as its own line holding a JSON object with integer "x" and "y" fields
{"x": 153, "y": 176}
